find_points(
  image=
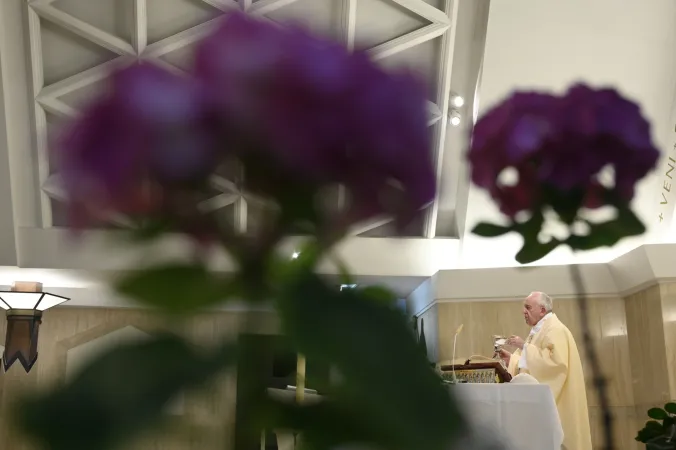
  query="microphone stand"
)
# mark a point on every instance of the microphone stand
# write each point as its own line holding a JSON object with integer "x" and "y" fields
{"x": 455, "y": 340}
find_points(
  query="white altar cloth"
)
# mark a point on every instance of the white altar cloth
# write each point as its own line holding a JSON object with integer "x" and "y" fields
{"x": 525, "y": 416}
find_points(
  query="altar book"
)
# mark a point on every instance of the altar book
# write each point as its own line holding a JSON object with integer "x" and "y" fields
{"x": 480, "y": 372}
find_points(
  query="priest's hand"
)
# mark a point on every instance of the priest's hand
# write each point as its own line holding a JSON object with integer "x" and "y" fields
{"x": 515, "y": 341}
{"x": 504, "y": 355}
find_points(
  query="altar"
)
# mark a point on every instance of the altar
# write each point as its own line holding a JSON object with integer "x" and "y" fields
{"x": 522, "y": 416}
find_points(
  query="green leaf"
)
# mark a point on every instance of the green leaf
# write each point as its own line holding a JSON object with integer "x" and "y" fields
{"x": 660, "y": 443}
{"x": 361, "y": 338}
{"x": 531, "y": 228}
{"x": 608, "y": 233}
{"x": 651, "y": 431}
{"x": 177, "y": 287}
{"x": 532, "y": 250}
{"x": 653, "y": 425}
{"x": 144, "y": 230}
{"x": 344, "y": 275}
{"x": 119, "y": 395}
{"x": 670, "y": 408}
{"x": 485, "y": 229}
{"x": 657, "y": 414}
{"x": 565, "y": 203}
{"x": 379, "y": 294}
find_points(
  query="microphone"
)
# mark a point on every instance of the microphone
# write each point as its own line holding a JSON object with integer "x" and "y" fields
{"x": 455, "y": 340}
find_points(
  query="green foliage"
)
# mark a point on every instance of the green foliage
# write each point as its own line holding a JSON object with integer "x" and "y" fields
{"x": 120, "y": 394}
{"x": 178, "y": 287}
{"x": 379, "y": 294}
{"x": 659, "y": 433}
{"x": 605, "y": 234}
{"x": 657, "y": 413}
{"x": 532, "y": 250}
{"x": 608, "y": 233}
{"x": 485, "y": 229}
{"x": 362, "y": 338}
{"x": 661, "y": 443}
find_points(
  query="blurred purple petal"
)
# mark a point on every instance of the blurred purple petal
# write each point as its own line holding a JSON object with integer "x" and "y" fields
{"x": 148, "y": 125}
{"x": 565, "y": 141}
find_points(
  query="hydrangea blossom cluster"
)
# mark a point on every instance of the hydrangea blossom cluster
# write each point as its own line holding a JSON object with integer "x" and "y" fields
{"x": 293, "y": 108}
{"x": 561, "y": 144}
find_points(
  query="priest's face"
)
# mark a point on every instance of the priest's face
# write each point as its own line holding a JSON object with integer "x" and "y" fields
{"x": 532, "y": 310}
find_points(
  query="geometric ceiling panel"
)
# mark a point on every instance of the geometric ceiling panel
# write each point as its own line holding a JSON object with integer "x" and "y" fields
{"x": 59, "y": 213}
{"x": 320, "y": 16}
{"x": 83, "y": 95}
{"x": 170, "y": 17}
{"x": 54, "y": 126}
{"x": 181, "y": 58}
{"x": 438, "y": 4}
{"x": 385, "y": 227}
{"x": 422, "y": 60}
{"x": 74, "y": 44}
{"x": 113, "y": 16}
{"x": 379, "y": 21}
{"x": 65, "y": 54}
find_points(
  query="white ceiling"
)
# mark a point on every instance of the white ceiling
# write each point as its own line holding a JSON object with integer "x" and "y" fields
{"x": 54, "y": 55}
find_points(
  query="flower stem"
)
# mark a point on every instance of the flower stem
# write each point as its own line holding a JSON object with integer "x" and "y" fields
{"x": 598, "y": 380}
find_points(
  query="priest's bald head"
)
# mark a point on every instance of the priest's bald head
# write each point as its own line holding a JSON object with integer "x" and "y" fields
{"x": 536, "y": 306}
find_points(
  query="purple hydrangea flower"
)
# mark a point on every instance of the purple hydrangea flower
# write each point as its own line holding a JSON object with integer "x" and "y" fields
{"x": 146, "y": 129}
{"x": 321, "y": 114}
{"x": 295, "y": 109}
{"x": 561, "y": 143}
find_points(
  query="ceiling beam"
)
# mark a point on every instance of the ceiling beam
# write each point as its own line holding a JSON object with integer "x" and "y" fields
{"x": 369, "y": 225}
{"x": 83, "y": 29}
{"x": 364, "y": 256}
{"x": 223, "y": 5}
{"x": 181, "y": 40}
{"x": 14, "y": 138}
{"x": 443, "y": 102}
{"x": 417, "y": 37}
{"x": 263, "y": 7}
{"x": 349, "y": 23}
{"x": 473, "y": 68}
{"x": 39, "y": 116}
{"x": 140, "y": 30}
{"x": 8, "y": 249}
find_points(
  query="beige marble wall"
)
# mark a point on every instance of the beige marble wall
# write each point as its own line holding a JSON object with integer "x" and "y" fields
{"x": 647, "y": 348}
{"x": 608, "y": 326}
{"x": 651, "y": 320}
{"x": 206, "y": 413}
{"x": 668, "y": 303}
{"x": 640, "y": 329}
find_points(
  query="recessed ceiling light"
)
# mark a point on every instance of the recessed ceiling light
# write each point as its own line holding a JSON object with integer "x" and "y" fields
{"x": 457, "y": 101}
{"x": 295, "y": 255}
{"x": 454, "y": 118}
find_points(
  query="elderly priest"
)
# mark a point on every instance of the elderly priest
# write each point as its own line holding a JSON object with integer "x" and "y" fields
{"x": 550, "y": 355}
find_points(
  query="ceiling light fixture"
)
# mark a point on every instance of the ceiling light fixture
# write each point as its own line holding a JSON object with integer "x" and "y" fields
{"x": 454, "y": 118}
{"x": 295, "y": 255}
{"x": 457, "y": 101}
{"x": 25, "y": 304}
